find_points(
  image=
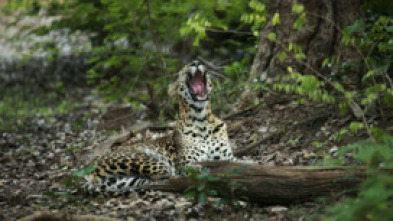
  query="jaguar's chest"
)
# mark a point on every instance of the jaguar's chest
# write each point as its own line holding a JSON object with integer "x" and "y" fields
{"x": 203, "y": 136}
{"x": 206, "y": 145}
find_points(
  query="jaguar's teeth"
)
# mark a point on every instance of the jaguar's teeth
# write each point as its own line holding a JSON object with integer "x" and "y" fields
{"x": 193, "y": 71}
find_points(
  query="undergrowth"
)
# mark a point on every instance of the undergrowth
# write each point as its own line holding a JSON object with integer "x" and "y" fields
{"x": 208, "y": 185}
{"x": 371, "y": 38}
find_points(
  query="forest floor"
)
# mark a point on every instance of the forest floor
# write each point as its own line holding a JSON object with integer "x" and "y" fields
{"x": 40, "y": 156}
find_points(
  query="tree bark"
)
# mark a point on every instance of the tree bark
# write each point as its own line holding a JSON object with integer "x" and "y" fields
{"x": 319, "y": 38}
{"x": 275, "y": 185}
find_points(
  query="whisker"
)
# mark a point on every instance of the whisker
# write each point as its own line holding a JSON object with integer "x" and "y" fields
{"x": 216, "y": 74}
{"x": 210, "y": 65}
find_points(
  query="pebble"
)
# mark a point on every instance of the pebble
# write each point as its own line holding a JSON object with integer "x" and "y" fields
{"x": 278, "y": 209}
{"x": 333, "y": 151}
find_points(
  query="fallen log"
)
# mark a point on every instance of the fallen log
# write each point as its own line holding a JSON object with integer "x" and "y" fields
{"x": 275, "y": 185}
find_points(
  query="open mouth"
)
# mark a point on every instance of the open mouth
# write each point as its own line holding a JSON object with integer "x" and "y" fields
{"x": 197, "y": 86}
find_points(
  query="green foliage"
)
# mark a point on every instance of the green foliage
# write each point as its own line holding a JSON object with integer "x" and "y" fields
{"x": 300, "y": 21}
{"x": 136, "y": 42}
{"x": 236, "y": 81}
{"x": 257, "y": 17}
{"x": 85, "y": 171}
{"x": 14, "y": 5}
{"x": 198, "y": 25}
{"x": 307, "y": 85}
{"x": 276, "y": 19}
{"x": 199, "y": 193}
{"x": 373, "y": 202}
{"x": 371, "y": 38}
{"x": 355, "y": 126}
{"x": 272, "y": 36}
{"x": 229, "y": 192}
{"x": 297, "y": 8}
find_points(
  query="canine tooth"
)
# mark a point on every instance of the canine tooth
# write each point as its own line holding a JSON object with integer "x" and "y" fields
{"x": 193, "y": 70}
{"x": 201, "y": 68}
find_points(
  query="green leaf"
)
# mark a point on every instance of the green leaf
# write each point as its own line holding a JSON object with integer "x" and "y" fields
{"x": 340, "y": 135}
{"x": 276, "y": 19}
{"x": 213, "y": 178}
{"x": 343, "y": 107}
{"x": 388, "y": 98}
{"x": 370, "y": 73}
{"x": 202, "y": 198}
{"x": 297, "y": 8}
{"x": 355, "y": 126}
{"x": 300, "y": 21}
{"x": 205, "y": 171}
{"x": 272, "y": 36}
{"x": 359, "y": 24}
{"x": 190, "y": 188}
{"x": 213, "y": 193}
{"x": 85, "y": 171}
{"x": 281, "y": 56}
{"x": 290, "y": 46}
{"x": 330, "y": 161}
{"x": 381, "y": 135}
{"x": 190, "y": 195}
{"x": 325, "y": 62}
{"x": 201, "y": 187}
{"x": 365, "y": 154}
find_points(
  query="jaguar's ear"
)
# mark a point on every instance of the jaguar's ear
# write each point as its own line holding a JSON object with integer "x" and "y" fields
{"x": 172, "y": 91}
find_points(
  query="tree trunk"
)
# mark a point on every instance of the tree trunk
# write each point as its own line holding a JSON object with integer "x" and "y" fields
{"x": 274, "y": 185}
{"x": 319, "y": 37}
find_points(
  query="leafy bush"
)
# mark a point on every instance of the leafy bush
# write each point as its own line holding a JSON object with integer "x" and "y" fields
{"x": 199, "y": 193}
{"x": 230, "y": 193}
{"x": 371, "y": 38}
{"x": 374, "y": 201}
{"x": 139, "y": 44}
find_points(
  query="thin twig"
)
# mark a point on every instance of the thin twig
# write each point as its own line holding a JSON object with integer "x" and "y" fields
{"x": 229, "y": 31}
{"x": 389, "y": 79}
{"x": 150, "y": 24}
{"x": 214, "y": 73}
{"x": 210, "y": 65}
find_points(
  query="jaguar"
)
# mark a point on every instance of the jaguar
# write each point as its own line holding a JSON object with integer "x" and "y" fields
{"x": 198, "y": 136}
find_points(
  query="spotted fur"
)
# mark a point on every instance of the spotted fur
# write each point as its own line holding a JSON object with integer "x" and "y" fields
{"x": 199, "y": 136}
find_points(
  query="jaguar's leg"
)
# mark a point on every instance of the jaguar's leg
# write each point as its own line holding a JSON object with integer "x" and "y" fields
{"x": 121, "y": 173}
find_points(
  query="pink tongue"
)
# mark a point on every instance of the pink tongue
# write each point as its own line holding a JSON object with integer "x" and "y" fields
{"x": 198, "y": 88}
